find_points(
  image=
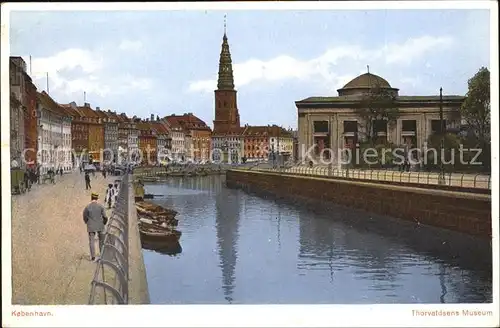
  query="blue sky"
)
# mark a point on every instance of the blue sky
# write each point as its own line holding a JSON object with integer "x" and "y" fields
{"x": 166, "y": 62}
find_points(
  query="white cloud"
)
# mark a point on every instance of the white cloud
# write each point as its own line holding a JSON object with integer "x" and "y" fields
{"x": 414, "y": 48}
{"x": 74, "y": 71}
{"x": 325, "y": 67}
{"x": 128, "y": 45}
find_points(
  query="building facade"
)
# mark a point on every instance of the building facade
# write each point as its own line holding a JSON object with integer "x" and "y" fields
{"x": 335, "y": 122}
{"x": 147, "y": 143}
{"x": 18, "y": 111}
{"x": 280, "y": 142}
{"x": 30, "y": 122}
{"x": 255, "y": 143}
{"x": 198, "y": 148}
{"x": 79, "y": 134}
{"x": 96, "y": 133}
{"x": 55, "y": 135}
{"x": 162, "y": 130}
{"x": 110, "y": 126}
{"x": 178, "y": 141}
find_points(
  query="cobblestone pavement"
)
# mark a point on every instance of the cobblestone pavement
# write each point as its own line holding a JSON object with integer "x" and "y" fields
{"x": 50, "y": 252}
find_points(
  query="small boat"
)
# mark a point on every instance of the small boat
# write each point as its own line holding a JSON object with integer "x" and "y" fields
{"x": 166, "y": 235}
{"x": 158, "y": 217}
{"x": 149, "y": 223}
{"x": 147, "y": 206}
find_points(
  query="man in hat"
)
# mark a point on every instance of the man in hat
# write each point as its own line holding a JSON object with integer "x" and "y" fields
{"x": 94, "y": 216}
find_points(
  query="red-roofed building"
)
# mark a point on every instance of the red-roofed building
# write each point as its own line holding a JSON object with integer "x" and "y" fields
{"x": 195, "y": 129}
{"x": 79, "y": 132}
{"x": 110, "y": 126}
{"x": 96, "y": 132}
{"x": 147, "y": 143}
{"x": 163, "y": 140}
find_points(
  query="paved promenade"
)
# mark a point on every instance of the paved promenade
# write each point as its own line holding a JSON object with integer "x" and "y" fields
{"x": 455, "y": 179}
{"x": 50, "y": 252}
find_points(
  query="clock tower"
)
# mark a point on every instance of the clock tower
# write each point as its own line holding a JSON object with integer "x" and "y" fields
{"x": 226, "y": 109}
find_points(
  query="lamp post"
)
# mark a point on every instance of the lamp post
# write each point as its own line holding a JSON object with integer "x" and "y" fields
{"x": 441, "y": 180}
{"x": 279, "y": 134}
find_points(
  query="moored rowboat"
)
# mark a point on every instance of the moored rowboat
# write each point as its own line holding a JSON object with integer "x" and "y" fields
{"x": 166, "y": 235}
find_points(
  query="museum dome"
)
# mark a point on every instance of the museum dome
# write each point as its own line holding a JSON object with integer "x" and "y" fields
{"x": 363, "y": 83}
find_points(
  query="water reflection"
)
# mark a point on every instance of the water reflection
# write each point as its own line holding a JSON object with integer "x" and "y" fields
{"x": 385, "y": 251}
{"x": 227, "y": 207}
{"x": 169, "y": 248}
{"x": 240, "y": 248}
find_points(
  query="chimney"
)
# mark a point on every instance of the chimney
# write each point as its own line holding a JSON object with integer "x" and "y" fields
{"x": 98, "y": 108}
{"x": 86, "y": 105}
{"x": 152, "y": 117}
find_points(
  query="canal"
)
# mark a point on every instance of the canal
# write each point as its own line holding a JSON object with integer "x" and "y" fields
{"x": 243, "y": 249}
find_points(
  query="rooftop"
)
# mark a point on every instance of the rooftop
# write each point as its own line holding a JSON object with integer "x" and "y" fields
{"x": 366, "y": 81}
{"x": 355, "y": 98}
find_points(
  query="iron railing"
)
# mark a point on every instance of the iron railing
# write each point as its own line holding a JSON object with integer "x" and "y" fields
{"x": 110, "y": 282}
{"x": 465, "y": 180}
{"x": 186, "y": 168}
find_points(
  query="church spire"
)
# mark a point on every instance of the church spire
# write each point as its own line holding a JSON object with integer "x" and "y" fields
{"x": 226, "y": 80}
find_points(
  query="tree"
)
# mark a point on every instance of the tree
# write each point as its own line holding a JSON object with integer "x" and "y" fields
{"x": 476, "y": 111}
{"x": 433, "y": 158}
{"x": 378, "y": 105}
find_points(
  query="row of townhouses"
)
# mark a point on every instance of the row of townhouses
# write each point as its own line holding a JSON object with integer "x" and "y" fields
{"x": 54, "y": 135}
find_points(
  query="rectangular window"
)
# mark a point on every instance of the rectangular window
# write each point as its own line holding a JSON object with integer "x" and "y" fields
{"x": 350, "y": 126}
{"x": 379, "y": 126}
{"x": 436, "y": 126}
{"x": 409, "y": 125}
{"x": 320, "y": 126}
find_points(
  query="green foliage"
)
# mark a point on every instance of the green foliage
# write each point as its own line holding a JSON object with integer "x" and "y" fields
{"x": 378, "y": 104}
{"x": 476, "y": 111}
{"x": 476, "y": 108}
{"x": 452, "y": 162}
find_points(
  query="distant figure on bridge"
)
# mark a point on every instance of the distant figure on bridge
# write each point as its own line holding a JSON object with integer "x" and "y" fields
{"x": 87, "y": 181}
{"x": 94, "y": 216}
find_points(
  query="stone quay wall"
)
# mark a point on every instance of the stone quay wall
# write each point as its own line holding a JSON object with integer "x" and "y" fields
{"x": 469, "y": 213}
{"x": 138, "y": 284}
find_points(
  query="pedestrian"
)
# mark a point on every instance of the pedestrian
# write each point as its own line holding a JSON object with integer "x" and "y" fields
{"x": 94, "y": 216}
{"x": 109, "y": 195}
{"x": 80, "y": 168}
{"x": 104, "y": 173}
{"x": 117, "y": 189}
{"x": 26, "y": 179}
{"x": 61, "y": 171}
{"x": 87, "y": 181}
